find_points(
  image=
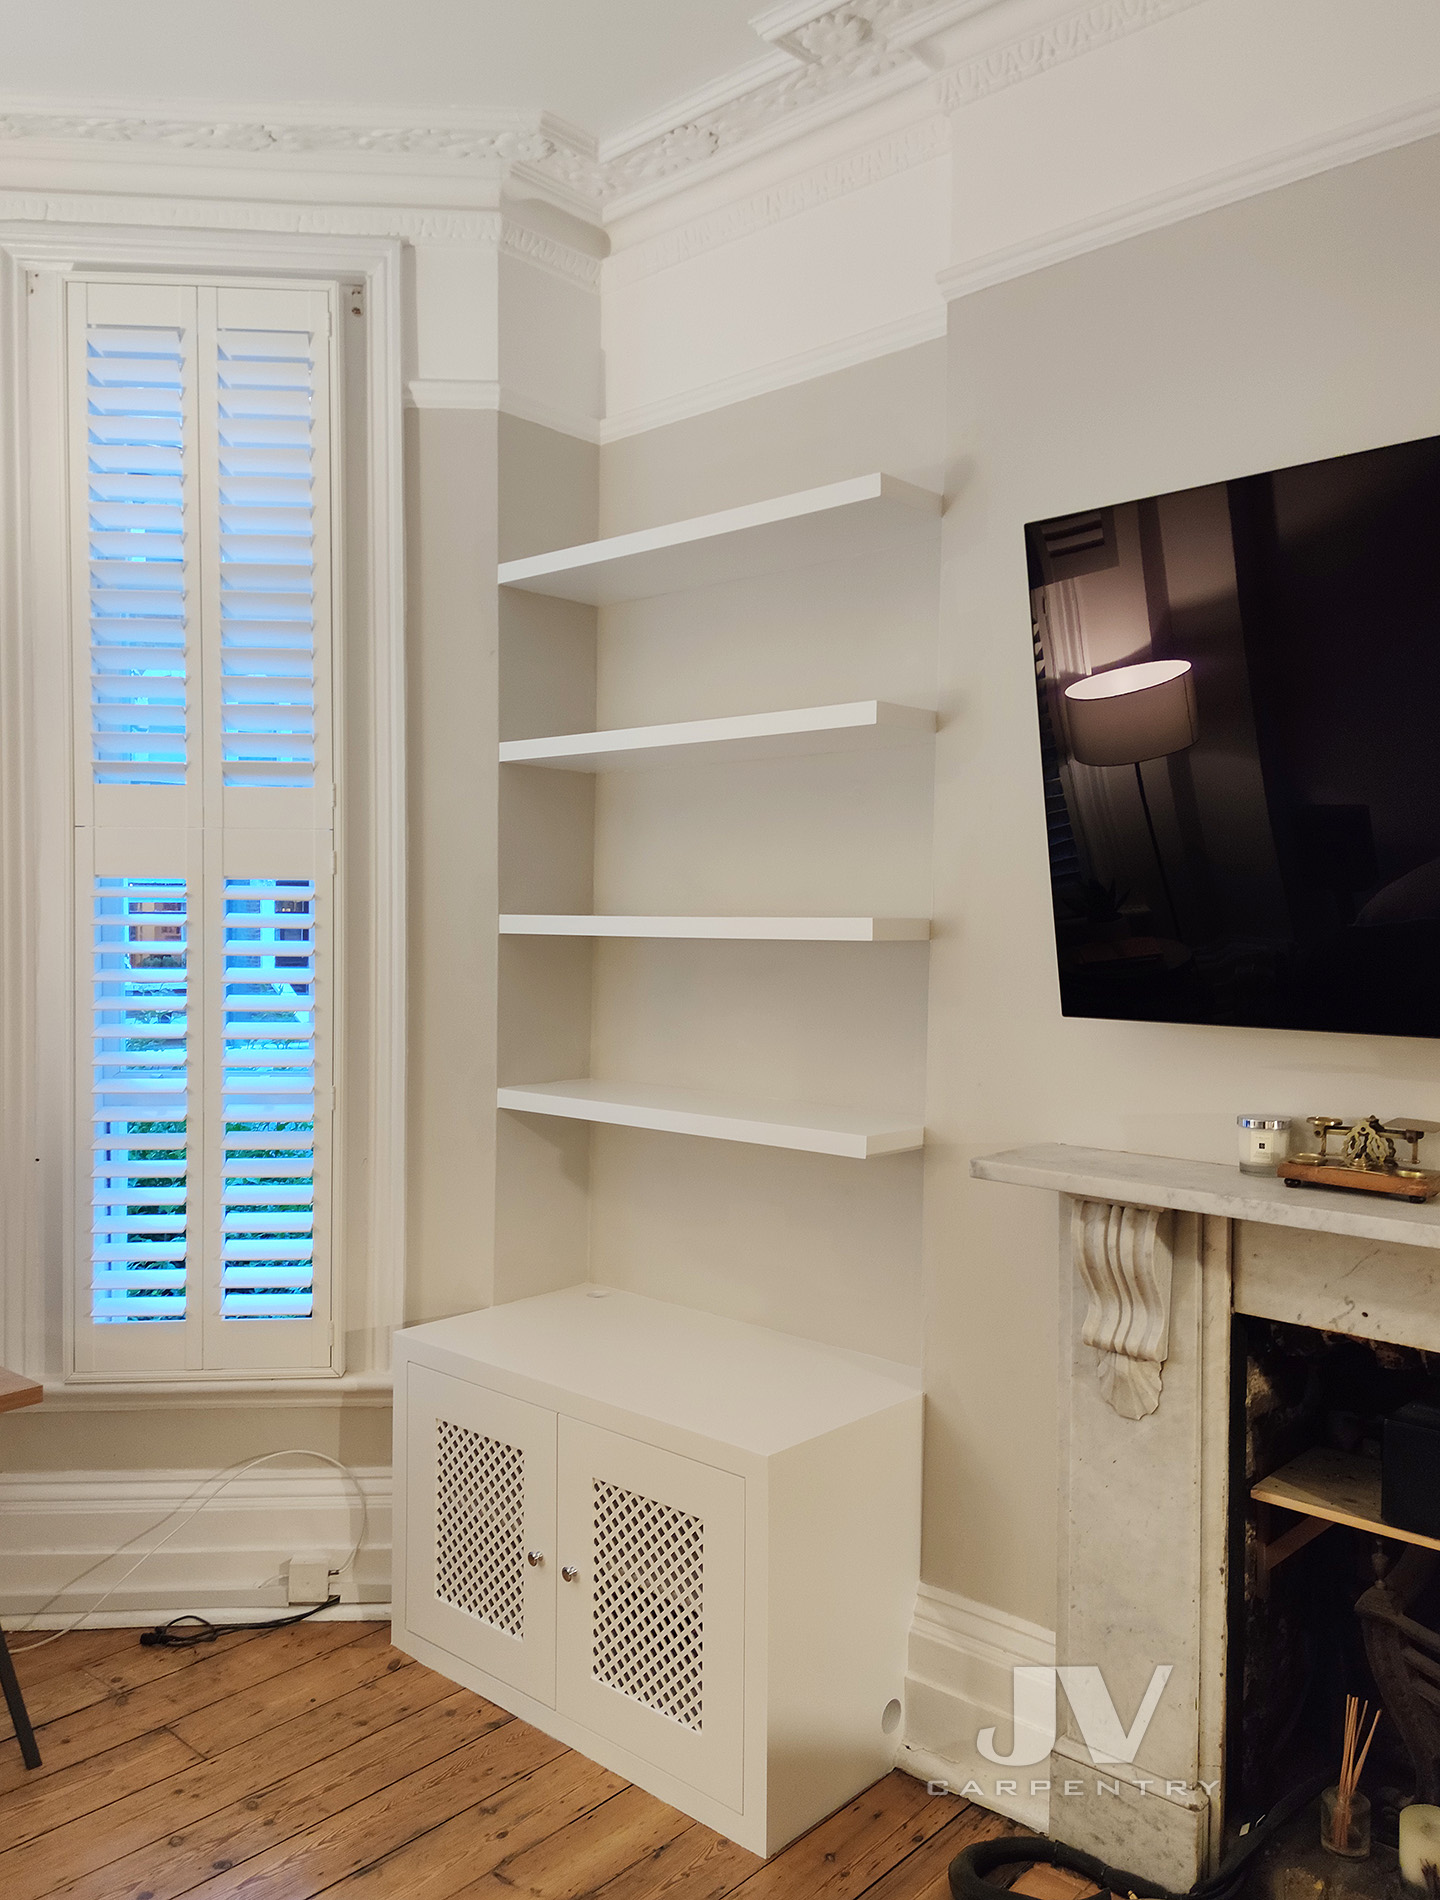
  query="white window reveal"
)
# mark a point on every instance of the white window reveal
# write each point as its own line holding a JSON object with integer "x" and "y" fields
{"x": 203, "y": 506}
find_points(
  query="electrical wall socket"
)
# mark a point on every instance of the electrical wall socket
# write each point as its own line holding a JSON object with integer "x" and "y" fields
{"x": 307, "y": 1580}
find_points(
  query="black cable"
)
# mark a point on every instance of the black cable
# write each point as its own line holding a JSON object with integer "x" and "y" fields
{"x": 167, "y": 1636}
{"x": 969, "y": 1868}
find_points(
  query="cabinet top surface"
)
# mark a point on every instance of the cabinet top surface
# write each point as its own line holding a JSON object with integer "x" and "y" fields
{"x": 1209, "y": 1187}
{"x": 740, "y": 1385}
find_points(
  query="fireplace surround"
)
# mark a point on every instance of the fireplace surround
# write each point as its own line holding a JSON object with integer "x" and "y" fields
{"x": 1156, "y": 1256}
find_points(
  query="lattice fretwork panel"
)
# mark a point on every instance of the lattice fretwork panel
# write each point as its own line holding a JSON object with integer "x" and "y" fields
{"x": 648, "y": 1629}
{"x": 480, "y": 1526}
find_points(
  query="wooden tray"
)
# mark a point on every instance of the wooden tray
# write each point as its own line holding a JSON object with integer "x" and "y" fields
{"x": 1395, "y": 1184}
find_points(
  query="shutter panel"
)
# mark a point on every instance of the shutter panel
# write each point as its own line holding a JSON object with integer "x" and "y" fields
{"x": 201, "y": 449}
{"x": 135, "y": 409}
{"x": 265, "y": 403}
{"x": 268, "y": 1100}
{"x": 139, "y": 1225}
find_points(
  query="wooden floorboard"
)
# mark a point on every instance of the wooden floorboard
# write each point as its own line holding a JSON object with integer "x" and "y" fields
{"x": 164, "y": 1703}
{"x": 318, "y": 1760}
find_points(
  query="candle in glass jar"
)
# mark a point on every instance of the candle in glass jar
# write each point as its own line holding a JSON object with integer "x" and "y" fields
{"x": 1264, "y": 1141}
{"x": 1419, "y": 1841}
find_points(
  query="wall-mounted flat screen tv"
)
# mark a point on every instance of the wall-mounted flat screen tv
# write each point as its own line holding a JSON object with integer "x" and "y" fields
{"x": 1239, "y": 705}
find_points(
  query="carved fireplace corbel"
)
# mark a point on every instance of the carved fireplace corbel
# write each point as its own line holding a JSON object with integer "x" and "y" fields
{"x": 1124, "y": 1258}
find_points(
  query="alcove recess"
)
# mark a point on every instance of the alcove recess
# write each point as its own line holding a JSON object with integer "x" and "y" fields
{"x": 715, "y": 811}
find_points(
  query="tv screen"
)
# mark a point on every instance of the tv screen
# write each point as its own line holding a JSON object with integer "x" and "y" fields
{"x": 1239, "y": 704}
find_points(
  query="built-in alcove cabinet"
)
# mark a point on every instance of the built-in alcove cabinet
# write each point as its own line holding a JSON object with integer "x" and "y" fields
{"x": 685, "y": 1546}
{"x": 677, "y": 1539}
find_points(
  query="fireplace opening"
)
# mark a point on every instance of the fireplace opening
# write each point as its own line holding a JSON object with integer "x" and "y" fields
{"x": 1318, "y": 1610}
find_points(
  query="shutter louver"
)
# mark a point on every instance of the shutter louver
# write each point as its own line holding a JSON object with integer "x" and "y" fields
{"x": 266, "y": 400}
{"x": 135, "y": 415}
{"x": 139, "y": 1221}
{"x": 268, "y": 1105}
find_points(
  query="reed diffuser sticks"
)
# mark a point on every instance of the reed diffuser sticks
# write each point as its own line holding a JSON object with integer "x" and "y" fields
{"x": 1352, "y": 1761}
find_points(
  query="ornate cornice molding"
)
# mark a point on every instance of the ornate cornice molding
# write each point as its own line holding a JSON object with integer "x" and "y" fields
{"x": 414, "y": 226}
{"x": 1080, "y": 31}
{"x": 839, "y": 56}
{"x": 558, "y": 157}
{"x": 883, "y": 158}
{"x": 296, "y": 139}
{"x": 258, "y": 216}
{"x": 827, "y": 61}
{"x": 561, "y": 260}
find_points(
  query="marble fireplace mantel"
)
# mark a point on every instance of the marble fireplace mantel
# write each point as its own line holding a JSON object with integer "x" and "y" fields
{"x": 1156, "y": 1255}
{"x": 1209, "y": 1187}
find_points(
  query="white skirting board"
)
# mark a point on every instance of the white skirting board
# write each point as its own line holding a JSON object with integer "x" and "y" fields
{"x": 958, "y": 1681}
{"x": 226, "y": 1562}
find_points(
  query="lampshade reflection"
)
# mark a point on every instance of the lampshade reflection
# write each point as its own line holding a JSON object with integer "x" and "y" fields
{"x": 1132, "y": 713}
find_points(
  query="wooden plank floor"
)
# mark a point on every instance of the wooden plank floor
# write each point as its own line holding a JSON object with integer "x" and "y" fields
{"x": 319, "y": 1760}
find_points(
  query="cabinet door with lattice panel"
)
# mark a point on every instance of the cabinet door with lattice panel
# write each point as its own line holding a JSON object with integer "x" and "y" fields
{"x": 480, "y": 1563}
{"x": 650, "y": 1627}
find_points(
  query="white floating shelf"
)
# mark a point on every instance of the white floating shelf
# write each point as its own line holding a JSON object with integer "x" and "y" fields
{"x": 861, "y": 725}
{"x": 842, "y": 521}
{"x": 749, "y": 929}
{"x": 823, "y": 1131}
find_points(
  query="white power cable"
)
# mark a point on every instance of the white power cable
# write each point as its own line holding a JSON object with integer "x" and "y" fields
{"x": 219, "y": 1479}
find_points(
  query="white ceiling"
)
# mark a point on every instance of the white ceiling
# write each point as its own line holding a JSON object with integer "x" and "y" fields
{"x": 602, "y": 64}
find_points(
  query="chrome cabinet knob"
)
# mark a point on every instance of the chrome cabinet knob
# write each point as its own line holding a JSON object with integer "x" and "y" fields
{"x": 569, "y": 1572}
{"x": 534, "y": 1558}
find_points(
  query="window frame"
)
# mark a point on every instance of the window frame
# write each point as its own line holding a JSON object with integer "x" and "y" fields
{"x": 38, "y": 924}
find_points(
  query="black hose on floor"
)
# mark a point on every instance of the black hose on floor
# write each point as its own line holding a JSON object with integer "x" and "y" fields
{"x": 969, "y": 1868}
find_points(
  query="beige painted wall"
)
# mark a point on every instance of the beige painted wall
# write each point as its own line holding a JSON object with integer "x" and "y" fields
{"x": 452, "y": 648}
{"x": 1301, "y": 324}
{"x": 484, "y": 488}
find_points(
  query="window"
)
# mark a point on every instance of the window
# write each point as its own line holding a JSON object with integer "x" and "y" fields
{"x": 204, "y": 478}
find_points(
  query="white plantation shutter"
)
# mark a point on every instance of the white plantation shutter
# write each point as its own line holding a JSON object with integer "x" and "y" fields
{"x": 139, "y": 1221}
{"x": 138, "y": 400}
{"x": 265, "y": 402}
{"x": 268, "y": 1100}
{"x": 202, "y": 449}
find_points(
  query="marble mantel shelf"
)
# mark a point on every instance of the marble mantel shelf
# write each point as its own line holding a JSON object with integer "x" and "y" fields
{"x": 1208, "y": 1187}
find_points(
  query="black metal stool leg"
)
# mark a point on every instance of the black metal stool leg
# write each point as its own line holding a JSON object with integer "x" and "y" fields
{"x": 19, "y": 1714}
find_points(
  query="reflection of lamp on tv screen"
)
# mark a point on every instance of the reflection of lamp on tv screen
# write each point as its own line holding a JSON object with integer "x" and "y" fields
{"x": 1128, "y": 715}
{"x": 1265, "y": 654}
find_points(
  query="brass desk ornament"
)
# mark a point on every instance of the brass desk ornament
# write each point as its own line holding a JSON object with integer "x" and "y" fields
{"x": 1366, "y": 1163}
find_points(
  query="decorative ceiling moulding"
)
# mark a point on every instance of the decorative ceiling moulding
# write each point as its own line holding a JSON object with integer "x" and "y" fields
{"x": 561, "y": 260}
{"x": 231, "y": 214}
{"x": 828, "y": 61}
{"x": 1077, "y": 31}
{"x": 839, "y": 58}
{"x": 1268, "y": 171}
{"x": 556, "y": 160}
{"x": 882, "y": 158}
{"x": 415, "y": 227}
{"x": 266, "y": 135}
